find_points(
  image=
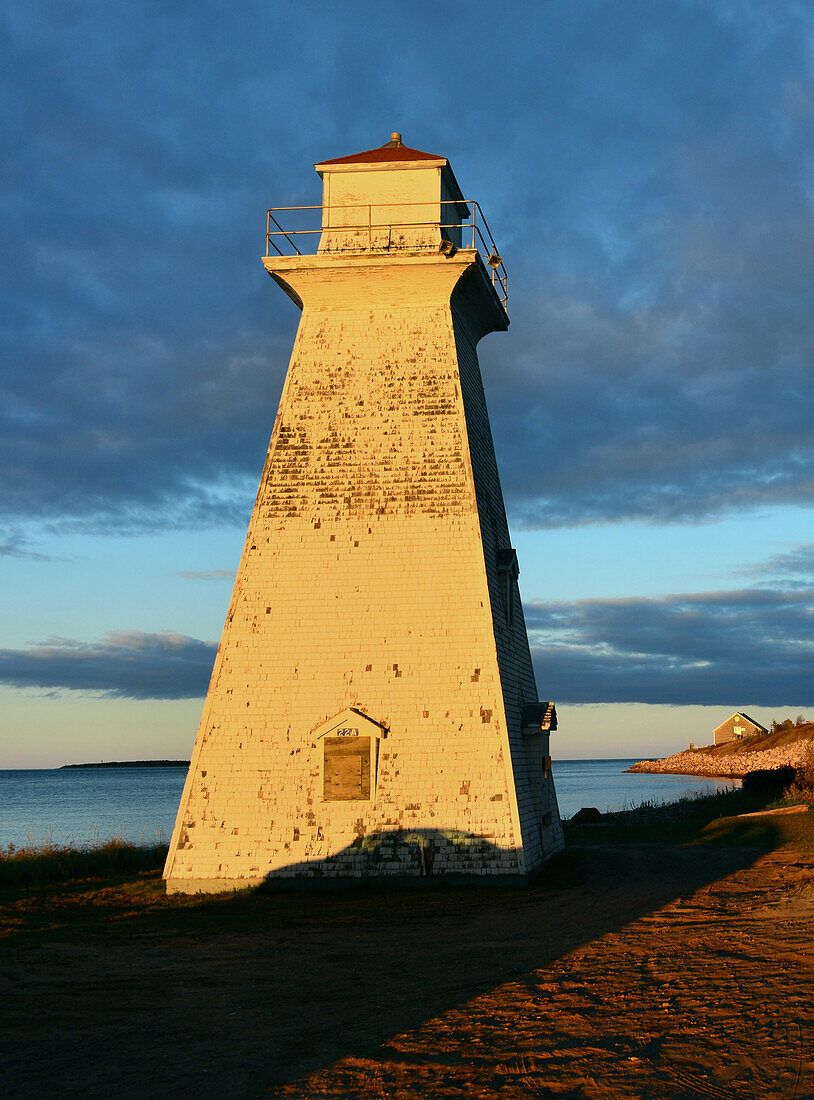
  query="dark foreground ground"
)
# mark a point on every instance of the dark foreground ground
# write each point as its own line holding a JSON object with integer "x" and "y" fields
{"x": 643, "y": 964}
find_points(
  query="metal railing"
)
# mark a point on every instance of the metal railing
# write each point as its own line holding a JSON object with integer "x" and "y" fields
{"x": 374, "y": 232}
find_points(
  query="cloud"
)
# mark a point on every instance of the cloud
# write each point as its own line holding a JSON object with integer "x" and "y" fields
{"x": 15, "y": 545}
{"x": 125, "y": 664}
{"x": 795, "y": 566}
{"x": 206, "y": 575}
{"x": 752, "y": 646}
{"x": 646, "y": 170}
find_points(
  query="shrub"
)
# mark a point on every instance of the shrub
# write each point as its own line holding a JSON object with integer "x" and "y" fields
{"x": 781, "y": 727}
{"x": 769, "y": 782}
{"x": 803, "y": 784}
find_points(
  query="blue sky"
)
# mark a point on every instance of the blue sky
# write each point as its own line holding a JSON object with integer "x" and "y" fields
{"x": 647, "y": 170}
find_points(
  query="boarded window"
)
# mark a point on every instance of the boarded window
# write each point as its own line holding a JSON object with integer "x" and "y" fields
{"x": 346, "y": 772}
{"x": 508, "y": 572}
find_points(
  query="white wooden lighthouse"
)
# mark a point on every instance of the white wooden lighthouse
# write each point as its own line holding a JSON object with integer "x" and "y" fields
{"x": 372, "y": 709}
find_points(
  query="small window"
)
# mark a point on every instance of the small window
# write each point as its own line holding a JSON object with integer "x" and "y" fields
{"x": 346, "y": 771}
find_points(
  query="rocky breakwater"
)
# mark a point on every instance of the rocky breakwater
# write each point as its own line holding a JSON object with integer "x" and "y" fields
{"x": 714, "y": 763}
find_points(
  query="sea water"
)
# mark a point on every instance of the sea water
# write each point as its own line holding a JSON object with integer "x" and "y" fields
{"x": 90, "y": 805}
{"x": 606, "y": 785}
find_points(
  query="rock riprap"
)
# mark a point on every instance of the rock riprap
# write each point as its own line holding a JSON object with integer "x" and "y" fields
{"x": 736, "y": 765}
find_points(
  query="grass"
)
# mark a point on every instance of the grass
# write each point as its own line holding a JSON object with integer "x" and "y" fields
{"x": 695, "y": 818}
{"x": 766, "y": 832}
{"x": 52, "y": 863}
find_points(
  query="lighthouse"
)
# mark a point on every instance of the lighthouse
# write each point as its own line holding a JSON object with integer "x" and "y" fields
{"x": 373, "y": 710}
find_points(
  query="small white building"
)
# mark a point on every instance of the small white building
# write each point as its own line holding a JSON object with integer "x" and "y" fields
{"x": 735, "y": 728}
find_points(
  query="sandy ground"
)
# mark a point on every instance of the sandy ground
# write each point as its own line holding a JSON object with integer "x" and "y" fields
{"x": 636, "y": 970}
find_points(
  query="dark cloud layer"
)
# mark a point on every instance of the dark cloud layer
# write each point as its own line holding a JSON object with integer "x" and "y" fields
{"x": 646, "y": 169}
{"x": 754, "y": 646}
{"x": 124, "y": 664}
{"x": 750, "y": 646}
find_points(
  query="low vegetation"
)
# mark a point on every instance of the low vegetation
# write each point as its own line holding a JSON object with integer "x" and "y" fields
{"x": 769, "y": 782}
{"x": 803, "y": 785}
{"x": 787, "y": 724}
{"x": 38, "y": 865}
{"x": 691, "y": 819}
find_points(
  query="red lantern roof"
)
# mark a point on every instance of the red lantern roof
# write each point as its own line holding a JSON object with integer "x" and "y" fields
{"x": 393, "y": 150}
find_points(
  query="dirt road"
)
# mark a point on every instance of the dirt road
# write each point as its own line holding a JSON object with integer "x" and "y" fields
{"x": 636, "y": 970}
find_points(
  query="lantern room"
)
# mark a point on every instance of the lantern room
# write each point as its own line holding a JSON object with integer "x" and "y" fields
{"x": 390, "y": 198}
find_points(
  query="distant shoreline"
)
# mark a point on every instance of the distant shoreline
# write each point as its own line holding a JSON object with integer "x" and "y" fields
{"x": 131, "y": 764}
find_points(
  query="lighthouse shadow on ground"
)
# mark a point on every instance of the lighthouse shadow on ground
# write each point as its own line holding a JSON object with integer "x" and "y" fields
{"x": 252, "y": 993}
{"x": 404, "y": 857}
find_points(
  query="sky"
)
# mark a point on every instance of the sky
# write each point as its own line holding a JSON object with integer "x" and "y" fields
{"x": 647, "y": 169}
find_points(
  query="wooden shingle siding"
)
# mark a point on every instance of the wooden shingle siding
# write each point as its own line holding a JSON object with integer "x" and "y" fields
{"x": 532, "y": 790}
{"x": 738, "y": 726}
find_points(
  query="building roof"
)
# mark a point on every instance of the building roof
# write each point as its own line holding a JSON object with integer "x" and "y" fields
{"x": 392, "y": 150}
{"x": 740, "y": 714}
{"x": 395, "y": 151}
